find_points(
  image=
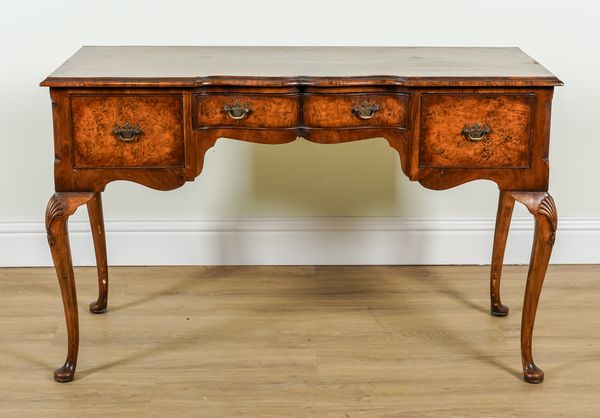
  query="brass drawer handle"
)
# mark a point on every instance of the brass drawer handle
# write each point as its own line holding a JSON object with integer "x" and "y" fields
{"x": 476, "y": 132}
{"x": 365, "y": 110}
{"x": 237, "y": 110}
{"x": 127, "y": 133}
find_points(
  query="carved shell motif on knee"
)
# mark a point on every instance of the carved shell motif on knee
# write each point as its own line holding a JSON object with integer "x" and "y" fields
{"x": 55, "y": 209}
{"x": 548, "y": 209}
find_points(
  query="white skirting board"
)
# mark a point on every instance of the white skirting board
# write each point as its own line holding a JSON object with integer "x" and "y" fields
{"x": 299, "y": 241}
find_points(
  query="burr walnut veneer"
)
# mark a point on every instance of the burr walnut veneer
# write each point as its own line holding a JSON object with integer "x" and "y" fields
{"x": 149, "y": 114}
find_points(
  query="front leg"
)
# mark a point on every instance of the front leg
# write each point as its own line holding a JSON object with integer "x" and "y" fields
{"x": 94, "y": 207}
{"x": 60, "y": 207}
{"x": 542, "y": 207}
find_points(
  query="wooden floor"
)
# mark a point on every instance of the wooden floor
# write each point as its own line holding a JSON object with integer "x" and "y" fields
{"x": 300, "y": 342}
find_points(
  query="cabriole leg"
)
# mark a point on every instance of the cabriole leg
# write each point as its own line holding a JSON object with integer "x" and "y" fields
{"x": 94, "y": 207}
{"x": 506, "y": 203}
{"x": 542, "y": 207}
{"x": 60, "y": 207}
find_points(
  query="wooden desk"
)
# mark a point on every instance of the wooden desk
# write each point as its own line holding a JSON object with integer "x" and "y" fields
{"x": 149, "y": 114}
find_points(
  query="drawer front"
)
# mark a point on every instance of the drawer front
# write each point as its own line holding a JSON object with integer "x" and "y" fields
{"x": 355, "y": 110}
{"x": 127, "y": 131}
{"x": 249, "y": 111}
{"x": 475, "y": 130}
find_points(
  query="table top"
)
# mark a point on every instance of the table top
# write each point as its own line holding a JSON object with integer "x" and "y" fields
{"x": 185, "y": 66}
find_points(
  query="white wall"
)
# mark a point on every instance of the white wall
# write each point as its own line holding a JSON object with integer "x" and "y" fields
{"x": 301, "y": 179}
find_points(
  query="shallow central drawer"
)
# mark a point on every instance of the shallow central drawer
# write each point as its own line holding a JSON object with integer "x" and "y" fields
{"x": 355, "y": 110}
{"x": 253, "y": 111}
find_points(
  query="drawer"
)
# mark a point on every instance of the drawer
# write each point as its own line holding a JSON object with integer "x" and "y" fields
{"x": 127, "y": 131}
{"x": 355, "y": 110}
{"x": 250, "y": 111}
{"x": 475, "y": 130}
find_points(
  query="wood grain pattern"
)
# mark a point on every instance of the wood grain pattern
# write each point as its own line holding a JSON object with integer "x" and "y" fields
{"x": 68, "y": 178}
{"x": 535, "y": 177}
{"x": 542, "y": 207}
{"x": 423, "y": 105}
{"x": 443, "y": 117}
{"x": 301, "y": 342}
{"x": 60, "y": 207}
{"x": 506, "y": 203}
{"x": 266, "y": 110}
{"x": 195, "y": 66}
{"x": 95, "y": 213}
{"x": 159, "y": 116}
{"x": 336, "y": 110}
